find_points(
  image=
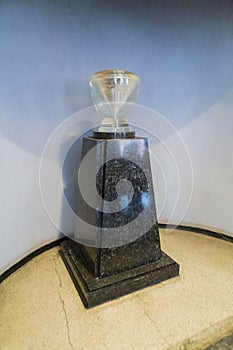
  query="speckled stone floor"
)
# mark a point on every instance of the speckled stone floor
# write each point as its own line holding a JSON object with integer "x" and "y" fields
{"x": 40, "y": 308}
{"x": 223, "y": 344}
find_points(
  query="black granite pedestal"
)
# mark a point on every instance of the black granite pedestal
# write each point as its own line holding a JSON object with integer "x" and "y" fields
{"x": 119, "y": 247}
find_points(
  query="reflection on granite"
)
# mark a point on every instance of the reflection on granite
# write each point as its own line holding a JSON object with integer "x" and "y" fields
{"x": 120, "y": 214}
{"x": 114, "y": 135}
{"x": 122, "y": 251}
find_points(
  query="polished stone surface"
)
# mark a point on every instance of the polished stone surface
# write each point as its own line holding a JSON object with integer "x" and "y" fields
{"x": 122, "y": 251}
{"x": 112, "y": 135}
{"x": 95, "y": 291}
{"x": 113, "y": 162}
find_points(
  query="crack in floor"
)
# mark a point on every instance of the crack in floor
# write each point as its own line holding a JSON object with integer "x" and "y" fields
{"x": 152, "y": 321}
{"x": 63, "y": 304}
{"x": 57, "y": 273}
{"x": 66, "y": 318}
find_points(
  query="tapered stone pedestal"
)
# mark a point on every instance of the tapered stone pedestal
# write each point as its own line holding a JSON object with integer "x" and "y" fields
{"x": 119, "y": 248}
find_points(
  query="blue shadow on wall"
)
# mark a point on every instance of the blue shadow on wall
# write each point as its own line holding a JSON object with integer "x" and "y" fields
{"x": 49, "y": 49}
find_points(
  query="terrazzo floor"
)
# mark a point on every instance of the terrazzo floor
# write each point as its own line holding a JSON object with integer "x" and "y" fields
{"x": 40, "y": 308}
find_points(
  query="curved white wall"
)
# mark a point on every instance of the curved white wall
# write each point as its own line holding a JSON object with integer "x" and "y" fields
{"x": 49, "y": 49}
{"x": 210, "y": 144}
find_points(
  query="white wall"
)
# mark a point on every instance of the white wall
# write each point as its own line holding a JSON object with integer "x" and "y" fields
{"x": 211, "y": 154}
{"x": 49, "y": 49}
{"x": 210, "y": 144}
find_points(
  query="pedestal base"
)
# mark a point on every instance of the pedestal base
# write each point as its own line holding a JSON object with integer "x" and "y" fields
{"x": 94, "y": 291}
